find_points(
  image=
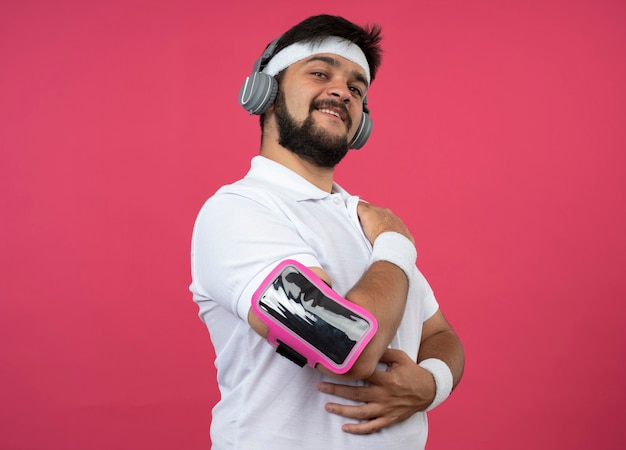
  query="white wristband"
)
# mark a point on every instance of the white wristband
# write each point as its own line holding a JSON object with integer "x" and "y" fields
{"x": 443, "y": 380}
{"x": 396, "y": 249}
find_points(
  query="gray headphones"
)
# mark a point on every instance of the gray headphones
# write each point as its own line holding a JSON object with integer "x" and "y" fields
{"x": 259, "y": 91}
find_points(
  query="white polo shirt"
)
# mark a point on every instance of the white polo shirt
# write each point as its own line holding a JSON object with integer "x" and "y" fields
{"x": 241, "y": 233}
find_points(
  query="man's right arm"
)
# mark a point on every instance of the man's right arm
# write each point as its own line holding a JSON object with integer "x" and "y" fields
{"x": 382, "y": 290}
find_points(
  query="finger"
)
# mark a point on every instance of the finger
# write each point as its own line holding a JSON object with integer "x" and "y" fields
{"x": 361, "y": 412}
{"x": 378, "y": 377}
{"x": 393, "y": 355}
{"x": 368, "y": 427}
{"x": 360, "y": 394}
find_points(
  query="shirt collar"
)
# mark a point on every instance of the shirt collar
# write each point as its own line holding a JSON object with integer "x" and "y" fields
{"x": 287, "y": 181}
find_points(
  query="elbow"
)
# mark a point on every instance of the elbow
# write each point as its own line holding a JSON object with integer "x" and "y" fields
{"x": 362, "y": 369}
{"x": 369, "y": 359}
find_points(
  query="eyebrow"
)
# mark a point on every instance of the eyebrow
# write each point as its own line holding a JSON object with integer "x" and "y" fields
{"x": 335, "y": 63}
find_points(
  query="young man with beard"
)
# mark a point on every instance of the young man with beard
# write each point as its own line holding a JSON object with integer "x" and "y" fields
{"x": 288, "y": 207}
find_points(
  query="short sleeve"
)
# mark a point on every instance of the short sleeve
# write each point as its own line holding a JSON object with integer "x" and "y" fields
{"x": 236, "y": 242}
{"x": 422, "y": 290}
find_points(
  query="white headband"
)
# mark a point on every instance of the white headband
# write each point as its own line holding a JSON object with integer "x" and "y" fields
{"x": 300, "y": 50}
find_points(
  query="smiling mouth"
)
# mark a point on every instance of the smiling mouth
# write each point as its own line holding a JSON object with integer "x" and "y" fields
{"x": 334, "y": 110}
{"x": 331, "y": 112}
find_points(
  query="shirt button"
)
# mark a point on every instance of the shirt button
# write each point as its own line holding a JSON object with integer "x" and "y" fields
{"x": 336, "y": 200}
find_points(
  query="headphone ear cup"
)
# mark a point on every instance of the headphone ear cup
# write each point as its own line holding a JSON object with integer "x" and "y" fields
{"x": 258, "y": 92}
{"x": 363, "y": 132}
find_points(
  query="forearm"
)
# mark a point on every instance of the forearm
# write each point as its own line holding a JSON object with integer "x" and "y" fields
{"x": 382, "y": 290}
{"x": 446, "y": 346}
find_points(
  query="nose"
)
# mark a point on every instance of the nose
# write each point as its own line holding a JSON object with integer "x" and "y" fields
{"x": 340, "y": 90}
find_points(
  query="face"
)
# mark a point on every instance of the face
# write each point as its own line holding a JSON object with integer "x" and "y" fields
{"x": 319, "y": 106}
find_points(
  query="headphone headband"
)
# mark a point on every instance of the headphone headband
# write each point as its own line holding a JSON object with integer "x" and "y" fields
{"x": 268, "y": 53}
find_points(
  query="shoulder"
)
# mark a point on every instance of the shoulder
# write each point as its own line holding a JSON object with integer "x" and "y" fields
{"x": 238, "y": 204}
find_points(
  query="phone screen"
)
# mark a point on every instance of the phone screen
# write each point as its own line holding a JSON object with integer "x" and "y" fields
{"x": 327, "y": 325}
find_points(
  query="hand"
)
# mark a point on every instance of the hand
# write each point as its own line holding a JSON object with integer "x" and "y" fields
{"x": 376, "y": 220}
{"x": 392, "y": 396}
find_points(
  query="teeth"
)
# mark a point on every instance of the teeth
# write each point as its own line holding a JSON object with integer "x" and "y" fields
{"x": 328, "y": 111}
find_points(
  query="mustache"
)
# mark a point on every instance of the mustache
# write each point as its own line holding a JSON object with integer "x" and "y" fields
{"x": 331, "y": 103}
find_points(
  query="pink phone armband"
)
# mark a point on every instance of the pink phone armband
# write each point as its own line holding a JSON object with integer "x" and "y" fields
{"x": 308, "y": 322}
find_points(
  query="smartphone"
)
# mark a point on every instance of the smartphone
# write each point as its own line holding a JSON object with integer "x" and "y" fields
{"x": 309, "y": 322}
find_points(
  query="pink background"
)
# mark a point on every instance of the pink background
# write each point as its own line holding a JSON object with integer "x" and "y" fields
{"x": 500, "y": 138}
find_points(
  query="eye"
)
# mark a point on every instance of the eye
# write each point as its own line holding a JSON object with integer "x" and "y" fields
{"x": 319, "y": 74}
{"x": 357, "y": 91}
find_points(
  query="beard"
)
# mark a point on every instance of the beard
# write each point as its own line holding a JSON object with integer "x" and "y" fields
{"x": 311, "y": 143}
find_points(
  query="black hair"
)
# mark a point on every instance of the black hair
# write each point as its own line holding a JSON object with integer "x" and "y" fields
{"x": 317, "y": 28}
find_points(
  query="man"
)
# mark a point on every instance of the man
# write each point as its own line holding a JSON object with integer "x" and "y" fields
{"x": 288, "y": 207}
